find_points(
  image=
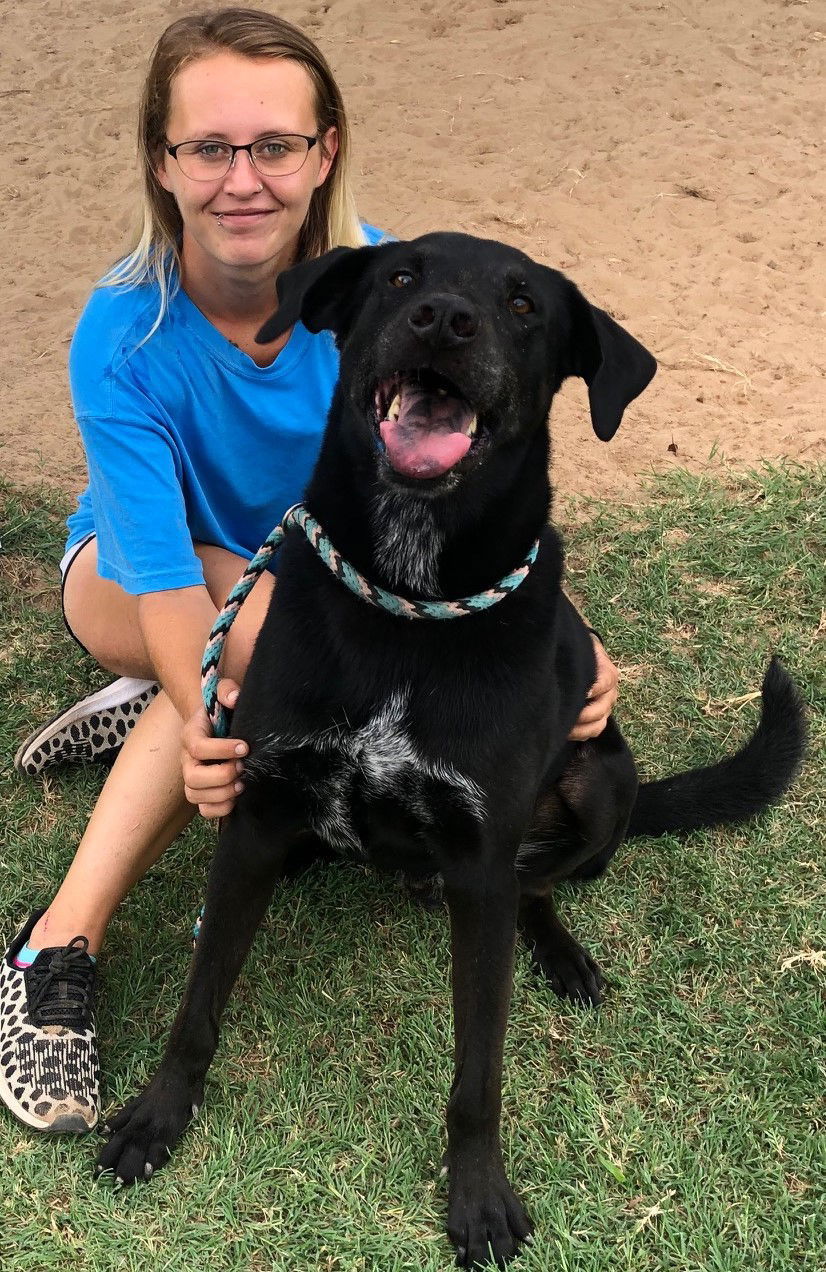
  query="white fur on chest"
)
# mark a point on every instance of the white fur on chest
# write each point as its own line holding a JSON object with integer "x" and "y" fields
{"x": 407, "y": 542}
{"x": 377, "y": 760}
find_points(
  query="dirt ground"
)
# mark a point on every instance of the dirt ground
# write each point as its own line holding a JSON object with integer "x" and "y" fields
{"x": 668, "y": 157}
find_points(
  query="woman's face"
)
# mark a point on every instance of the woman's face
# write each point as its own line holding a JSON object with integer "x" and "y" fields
{"x": 228, "y": 97}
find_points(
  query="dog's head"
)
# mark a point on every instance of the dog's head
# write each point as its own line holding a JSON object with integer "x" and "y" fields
{"x": 453, "y": 347}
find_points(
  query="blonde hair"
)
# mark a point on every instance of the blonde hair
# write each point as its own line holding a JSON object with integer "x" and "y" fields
{"x": 331, "y": 220}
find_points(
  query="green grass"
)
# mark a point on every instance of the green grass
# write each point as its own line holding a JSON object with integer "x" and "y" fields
{"x": 680, "y": 1127}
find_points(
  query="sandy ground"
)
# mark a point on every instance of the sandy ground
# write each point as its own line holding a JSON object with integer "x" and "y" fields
{"x": 668, "y": 157}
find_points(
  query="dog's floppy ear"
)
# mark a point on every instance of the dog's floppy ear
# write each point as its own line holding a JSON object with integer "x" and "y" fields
{"x": 614, "y": 365}
{"x": 320, "y": 292}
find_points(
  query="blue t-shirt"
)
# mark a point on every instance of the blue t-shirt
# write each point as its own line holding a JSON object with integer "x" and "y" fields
{"x": 186, "y": 438}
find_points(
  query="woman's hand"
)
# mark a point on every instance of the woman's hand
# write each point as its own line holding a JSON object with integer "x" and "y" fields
{"x": 212, "y": 766}
{"x": 594, "y": 715}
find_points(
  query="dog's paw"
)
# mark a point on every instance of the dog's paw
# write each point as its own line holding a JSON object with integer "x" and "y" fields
{"x": 571, "y": 973}
{"x": 486, "y": 1220}
{"x": 144, "y": 1132}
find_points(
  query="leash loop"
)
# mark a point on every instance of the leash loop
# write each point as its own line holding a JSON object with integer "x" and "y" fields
{"x": 399, "y": 606}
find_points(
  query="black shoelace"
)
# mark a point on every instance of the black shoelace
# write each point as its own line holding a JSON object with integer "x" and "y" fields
{"x": 59, "y": 991}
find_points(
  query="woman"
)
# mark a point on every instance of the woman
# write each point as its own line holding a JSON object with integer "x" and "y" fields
{"x": 197, "y": 440}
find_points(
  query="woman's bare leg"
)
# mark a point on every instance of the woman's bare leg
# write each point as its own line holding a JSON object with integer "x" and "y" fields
{"x": 142, "y": 807}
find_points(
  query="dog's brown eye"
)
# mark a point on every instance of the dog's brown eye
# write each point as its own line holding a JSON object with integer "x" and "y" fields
{"x": 520, "y": 305}
{"x": 401, "y": 279}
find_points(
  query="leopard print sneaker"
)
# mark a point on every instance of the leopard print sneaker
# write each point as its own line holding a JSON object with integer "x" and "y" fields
{"x": 92, "y": 730}
{"x": 49, "y": 1068}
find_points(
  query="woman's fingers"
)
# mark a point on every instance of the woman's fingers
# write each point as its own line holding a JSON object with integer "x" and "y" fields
{"x": 607, "y": 675}
{"x": 228, "y": 691}
{"x": 602, "y": 698}
{"x": 213, "y": 787}
{"x": 212, "y": 767}
{"x": 199, "y": 741}
{"x": 213, "y": 811}
{"x": 206, "y": 777}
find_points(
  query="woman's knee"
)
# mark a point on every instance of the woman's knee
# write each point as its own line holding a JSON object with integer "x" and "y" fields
{"x": 103, "y": 618}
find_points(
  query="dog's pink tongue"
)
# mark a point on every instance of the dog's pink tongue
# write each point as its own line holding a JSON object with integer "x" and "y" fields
{"x": 418, "y": 452}
{"x": 429, "y": 437}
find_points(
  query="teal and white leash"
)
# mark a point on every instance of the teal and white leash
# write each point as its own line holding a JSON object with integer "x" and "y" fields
{"x": 399, "y": 606}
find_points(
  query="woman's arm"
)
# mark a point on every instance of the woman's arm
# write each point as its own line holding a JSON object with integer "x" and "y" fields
{"x": 175, "y": 626}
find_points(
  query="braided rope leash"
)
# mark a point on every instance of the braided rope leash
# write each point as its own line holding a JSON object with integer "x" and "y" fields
{"x": 357, "y": 583}
{"x": 220, "y": 628}
{"x": 399, "y": 606}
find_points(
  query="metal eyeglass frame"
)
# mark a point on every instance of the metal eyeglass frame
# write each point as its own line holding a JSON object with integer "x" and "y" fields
{"x": 173, "y": 151}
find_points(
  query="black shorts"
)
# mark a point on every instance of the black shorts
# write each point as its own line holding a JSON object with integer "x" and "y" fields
{"x": 66, "y": 564}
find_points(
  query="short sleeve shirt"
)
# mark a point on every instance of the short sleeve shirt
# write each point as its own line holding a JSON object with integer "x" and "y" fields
{"x": 187, "y": 439}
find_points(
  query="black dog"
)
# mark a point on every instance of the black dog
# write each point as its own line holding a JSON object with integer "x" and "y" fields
{"x": 436, "y": 746}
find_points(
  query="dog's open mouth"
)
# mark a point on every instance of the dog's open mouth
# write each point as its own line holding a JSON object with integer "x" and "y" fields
{"x": 426, "y": 425}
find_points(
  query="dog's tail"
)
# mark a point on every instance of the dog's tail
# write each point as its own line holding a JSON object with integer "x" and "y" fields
{"x": 739, "y": 786}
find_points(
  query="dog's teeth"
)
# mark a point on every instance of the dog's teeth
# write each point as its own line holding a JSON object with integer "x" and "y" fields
{"x": 472, "y": 427}
{"x": 394, "y": 408}
{"x": 441, "y": 392}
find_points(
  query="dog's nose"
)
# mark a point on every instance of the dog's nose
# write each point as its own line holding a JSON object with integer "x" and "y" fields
{"x": 444, "y": 320}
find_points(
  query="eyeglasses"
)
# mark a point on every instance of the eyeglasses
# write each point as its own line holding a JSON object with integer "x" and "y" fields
{"x": 278, "y": 156}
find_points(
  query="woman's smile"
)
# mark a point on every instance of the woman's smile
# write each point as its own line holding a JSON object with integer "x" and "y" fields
{"x": 243, "y": 218}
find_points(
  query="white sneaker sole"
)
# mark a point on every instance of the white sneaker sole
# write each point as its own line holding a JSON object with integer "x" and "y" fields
{"x": 110, "y": 698}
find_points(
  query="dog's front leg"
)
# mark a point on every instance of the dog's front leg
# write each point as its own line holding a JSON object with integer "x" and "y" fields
{"x": 241, "y": 880}
{"x": 485, "y": 1218}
